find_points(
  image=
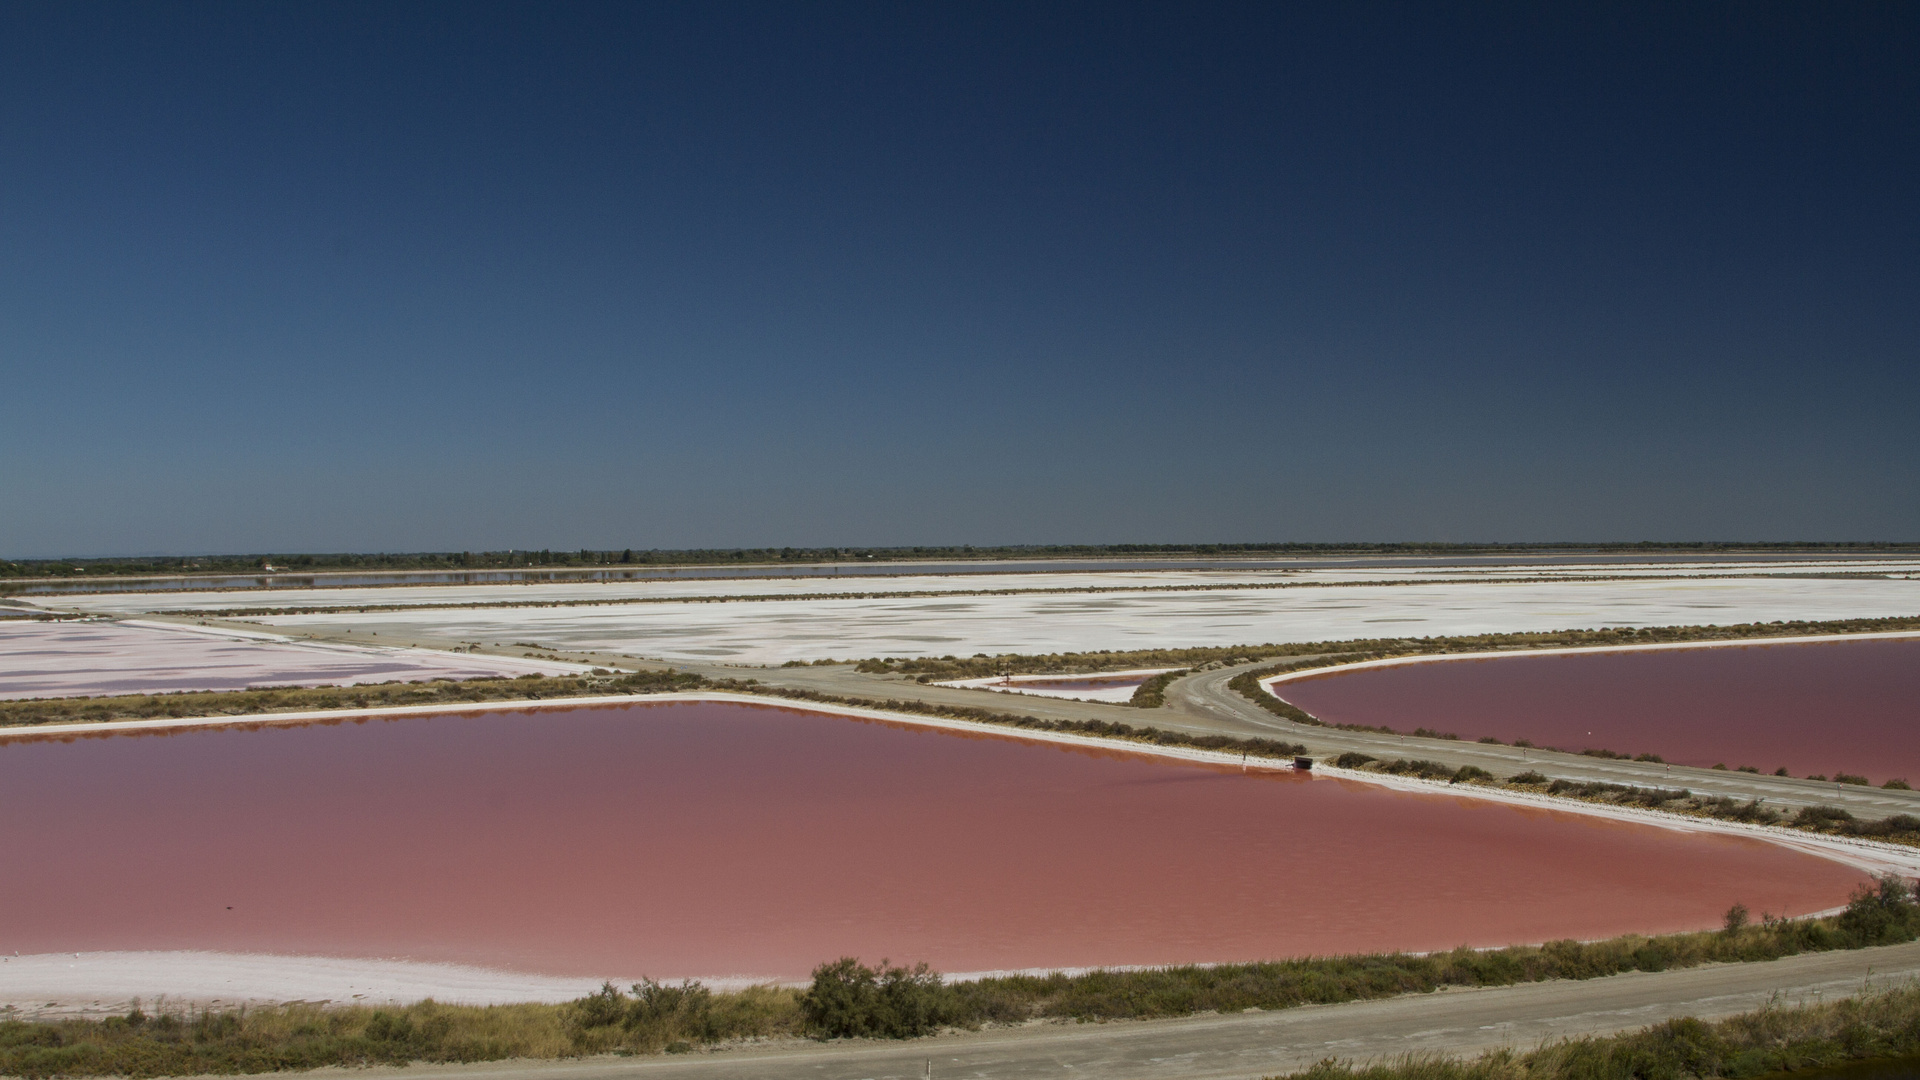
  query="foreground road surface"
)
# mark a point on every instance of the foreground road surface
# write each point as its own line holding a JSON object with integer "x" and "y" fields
{"x": 1266, "y": 1044}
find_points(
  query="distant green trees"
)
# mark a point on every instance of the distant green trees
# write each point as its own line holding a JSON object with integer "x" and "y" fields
{"x": 589, "y": 557}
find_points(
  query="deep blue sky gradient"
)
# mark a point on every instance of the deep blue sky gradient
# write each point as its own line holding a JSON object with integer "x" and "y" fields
{"x": 402, "y": 277}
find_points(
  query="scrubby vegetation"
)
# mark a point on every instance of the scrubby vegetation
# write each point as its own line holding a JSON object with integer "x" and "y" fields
{"x": 1153, "y": 693}
{"x": 848, "y": 998}
{"x": 1420, "y": 767}
{"x": 1831, "y": 820}
{"x": 1873, "y": 1027}
{"x": 314, "y": 698}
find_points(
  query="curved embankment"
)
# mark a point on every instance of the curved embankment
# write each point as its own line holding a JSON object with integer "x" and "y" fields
{"x": 1114, "y": 687}
{"x": 1821, "y": 705}
{"x": 1180, "y": 839}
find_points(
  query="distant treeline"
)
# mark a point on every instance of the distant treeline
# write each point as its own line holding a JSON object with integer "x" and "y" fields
{"x": 848, "y": 998}
{"x": 590, "y": 558}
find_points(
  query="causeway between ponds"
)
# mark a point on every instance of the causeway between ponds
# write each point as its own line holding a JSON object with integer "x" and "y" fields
{"x": 1203, "y": 704}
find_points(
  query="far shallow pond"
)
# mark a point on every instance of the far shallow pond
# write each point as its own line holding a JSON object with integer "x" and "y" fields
{"x": 1825, "y": 707}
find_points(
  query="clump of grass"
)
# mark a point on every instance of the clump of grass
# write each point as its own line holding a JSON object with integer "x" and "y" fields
{"x": 1428, "y": 770}
{"x": 1152, "y": 694}
{"x": 653, "y": 1016}
{"x": 850, "y": 999}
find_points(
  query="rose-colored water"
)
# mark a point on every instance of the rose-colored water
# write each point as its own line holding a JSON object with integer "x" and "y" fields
{"x": 1825, "y": 707}
{"x": 709, "y": 839}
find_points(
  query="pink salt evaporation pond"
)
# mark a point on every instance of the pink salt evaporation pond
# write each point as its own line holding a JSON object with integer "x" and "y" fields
{"x": 1813, "y": 708}
{"x": 72, "y": 659}
{"x": 723, "y": 839}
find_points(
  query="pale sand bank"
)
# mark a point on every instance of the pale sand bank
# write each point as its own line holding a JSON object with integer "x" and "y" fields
{"x": 88, "y": 658}
{"x": 1035, "y": 685}
{"x": 774, "y": 632}
{"x": 99, "y": 983}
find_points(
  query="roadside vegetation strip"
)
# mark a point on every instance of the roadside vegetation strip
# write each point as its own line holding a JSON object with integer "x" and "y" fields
{"x": 849, "y": 998}
{"x": 1153, "y": 693}
{"x": 191, "y": 704}
{"x": 1874, "y": 1027}
{"x": 1329, "y": 653}
{"x": 1903, "y": 829}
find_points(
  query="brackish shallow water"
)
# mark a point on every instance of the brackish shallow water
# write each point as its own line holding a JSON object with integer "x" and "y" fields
{"x": 1825, "y": 707}
{"x": 712, "y": 839}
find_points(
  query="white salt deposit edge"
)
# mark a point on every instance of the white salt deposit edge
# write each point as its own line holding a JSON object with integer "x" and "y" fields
{"x": 1029, "y": 684}
{"x": 617, "y": 592}
{"x": 776, "y": 631}
{"x": 71, "y": 659}
{"x": 107, "y": 983}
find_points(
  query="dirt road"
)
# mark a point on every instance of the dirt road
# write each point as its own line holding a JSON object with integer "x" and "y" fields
{"x": 1269, "y": 1043}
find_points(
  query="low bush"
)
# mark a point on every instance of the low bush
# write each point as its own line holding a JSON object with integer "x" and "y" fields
{"x": 1152, "y": 693}
{"x": 850, "y": 1000}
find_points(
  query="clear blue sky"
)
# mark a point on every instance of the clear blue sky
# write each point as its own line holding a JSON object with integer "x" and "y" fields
{"x": 418, "y": 277}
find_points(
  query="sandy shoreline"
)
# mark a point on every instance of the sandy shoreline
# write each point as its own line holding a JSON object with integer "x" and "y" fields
{"x": 106, "y": 982}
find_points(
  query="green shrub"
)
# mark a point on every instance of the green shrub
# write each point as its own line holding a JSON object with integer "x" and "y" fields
{"x": 851, "y": 1000}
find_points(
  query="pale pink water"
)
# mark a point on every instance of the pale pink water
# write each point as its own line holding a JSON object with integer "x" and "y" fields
{"x": 712, "y": 839}
{"x": 1825, "y": 707}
